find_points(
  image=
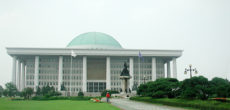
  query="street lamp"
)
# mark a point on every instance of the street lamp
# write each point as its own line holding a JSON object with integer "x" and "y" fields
{"x": 190, "y": 70}
{"x": 144, "y": 79}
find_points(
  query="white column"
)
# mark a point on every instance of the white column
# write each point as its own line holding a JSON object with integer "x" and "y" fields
{"x": 60, "y": 72}
{"x": 174, "y": 68}
{"x": 84, "y": 78}
{"x": 108, "y": 76}
{"x": 36, "y": 71}
{"x": 18, "y": 74}
{"x": 154, "y": 70}
{"x": 168, "y": 70}
{"x": 23, "y": 76}
{"x": 131, "y": 81}
{"x": 14, "y": 70}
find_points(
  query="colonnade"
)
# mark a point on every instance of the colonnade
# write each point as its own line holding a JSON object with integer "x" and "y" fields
{"x": 19, "y": 72}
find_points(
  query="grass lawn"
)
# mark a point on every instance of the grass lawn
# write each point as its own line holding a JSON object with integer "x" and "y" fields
{"x": 7, "y": 104}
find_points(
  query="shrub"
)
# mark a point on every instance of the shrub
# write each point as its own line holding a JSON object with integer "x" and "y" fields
{"x": 48, "y": 91}
{"x": 10, "y": 90}
{"x": 81, "y": 94}
{"x": 60, "y": 98}
{"x": 164, "y": 87}
{"x": 27, "y": 92}
{"x": 1, "y": 91}
{"x": 220, "y": 87}
{"x": 80, "y": 98}
{"x": 196, "y": 87}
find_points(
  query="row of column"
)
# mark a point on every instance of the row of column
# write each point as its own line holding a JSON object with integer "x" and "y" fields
{"x": 131, "y": 71}
{"x": 18, "y": 73}
{"x": 174, "y": 69}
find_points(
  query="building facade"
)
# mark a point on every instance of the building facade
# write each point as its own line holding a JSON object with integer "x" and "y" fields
{"x": 91, "y": 62}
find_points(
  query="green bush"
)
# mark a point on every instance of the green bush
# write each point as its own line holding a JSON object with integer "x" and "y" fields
{"x": 164, "y": 87}
{"x": 220, "y": 87}
{"x": 81, "y": 94}
{"x": 49, "y": 91}
{"x": 196, "y": 88}
{"x": 60, "y": 98}
{"x": 193, "y": 88}
{"x": 80, "y": 98}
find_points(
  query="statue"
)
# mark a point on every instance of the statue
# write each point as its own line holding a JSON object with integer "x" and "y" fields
{"x": 124, "y": 76}
{"x": 125, "y": 71}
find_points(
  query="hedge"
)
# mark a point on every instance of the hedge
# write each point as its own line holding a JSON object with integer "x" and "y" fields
{"x": 199, "y": 104}
{"x": 61, "y": 98}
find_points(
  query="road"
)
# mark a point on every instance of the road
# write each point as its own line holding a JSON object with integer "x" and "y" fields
{"x": 126, "y": 104}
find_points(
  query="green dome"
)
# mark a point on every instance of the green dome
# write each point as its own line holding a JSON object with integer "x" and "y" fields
{"x": 94, "y": 40}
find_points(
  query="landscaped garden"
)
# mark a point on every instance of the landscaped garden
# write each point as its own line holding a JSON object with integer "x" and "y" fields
{"x": 8, "y": 104}
{"x": 46, "y": 98}
{"x": 196, "y": 92}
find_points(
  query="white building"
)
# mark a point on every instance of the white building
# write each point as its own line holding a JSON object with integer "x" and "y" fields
{"x": 97, "y": 66}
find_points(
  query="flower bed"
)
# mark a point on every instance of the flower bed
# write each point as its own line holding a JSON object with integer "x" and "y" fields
{"x": 95, "y": 100}
{"x": 220, "y": 99}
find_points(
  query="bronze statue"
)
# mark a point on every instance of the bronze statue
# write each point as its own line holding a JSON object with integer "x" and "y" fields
{"x": 125, "y": 71}
{"x": 124, "y": 76}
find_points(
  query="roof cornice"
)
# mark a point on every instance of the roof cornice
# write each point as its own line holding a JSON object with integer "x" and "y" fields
{"x": 90, "y": 52}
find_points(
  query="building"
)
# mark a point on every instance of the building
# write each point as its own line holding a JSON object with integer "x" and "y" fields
{"x": 91, "y": 62}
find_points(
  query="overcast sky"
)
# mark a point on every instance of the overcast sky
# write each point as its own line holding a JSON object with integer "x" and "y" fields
{"x": 199, "y": 27}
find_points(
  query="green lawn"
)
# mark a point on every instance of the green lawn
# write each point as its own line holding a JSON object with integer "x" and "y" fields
{"x": 7, "y": 104}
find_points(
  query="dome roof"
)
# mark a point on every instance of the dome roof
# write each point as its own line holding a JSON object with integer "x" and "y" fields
{"x": 94, "y": 40}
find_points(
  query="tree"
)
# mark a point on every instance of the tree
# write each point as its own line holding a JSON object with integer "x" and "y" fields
{"x": 142, "y": 90}
{"x": 5, "y": 92}
{"x": 10, "y": 90}
{"x": 27, "y": 92}
{"x": 1, "y": 91}
{"x": 81, "y": 94}
{"x": 63, "y": 87}
{"x": 48, "y": 91}
{"x": 219, "y": 87}
{"x": 195, "y": 87}
{"x": 164, "y": 87}
{"x": 38, "y": 92}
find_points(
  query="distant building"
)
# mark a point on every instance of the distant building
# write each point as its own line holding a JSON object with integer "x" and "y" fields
{"x": 97, "y": 65}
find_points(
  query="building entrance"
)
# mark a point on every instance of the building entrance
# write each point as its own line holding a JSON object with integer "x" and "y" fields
{"x": 96, "y": 86}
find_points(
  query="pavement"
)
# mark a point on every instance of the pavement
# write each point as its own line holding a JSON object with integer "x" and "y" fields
{"x": 126, "y": 104}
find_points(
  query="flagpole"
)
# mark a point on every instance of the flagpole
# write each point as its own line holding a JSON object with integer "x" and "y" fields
{"x": 71, "y": 69}
{"x": 139, "y": 70}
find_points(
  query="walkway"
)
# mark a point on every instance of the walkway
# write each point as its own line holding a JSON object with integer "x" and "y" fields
{"x": 126, "y": 104}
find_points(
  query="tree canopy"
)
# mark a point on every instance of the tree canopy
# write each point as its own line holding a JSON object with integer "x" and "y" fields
{"x": 27, "y": 92}
{"x": 193, "y": 88}
{"x": 1, "y": 90}
{"x": 10, "y": 90}
{"x": 164, "y": 87}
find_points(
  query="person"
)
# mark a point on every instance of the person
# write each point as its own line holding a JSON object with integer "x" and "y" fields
{"x": 107, "y": 97}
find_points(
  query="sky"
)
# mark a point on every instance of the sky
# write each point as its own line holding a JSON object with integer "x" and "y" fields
{"x": 201, "y": 28}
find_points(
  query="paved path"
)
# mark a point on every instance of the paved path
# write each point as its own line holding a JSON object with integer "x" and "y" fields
{"x": 126, "y": 104}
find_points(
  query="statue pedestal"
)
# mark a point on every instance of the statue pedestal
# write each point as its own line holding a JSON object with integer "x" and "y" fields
{"x": 125, "y": 79}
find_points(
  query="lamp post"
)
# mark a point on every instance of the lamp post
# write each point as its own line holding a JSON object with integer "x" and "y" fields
{"x": 144, "y": 79}
{"x": 190, "y": 70}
